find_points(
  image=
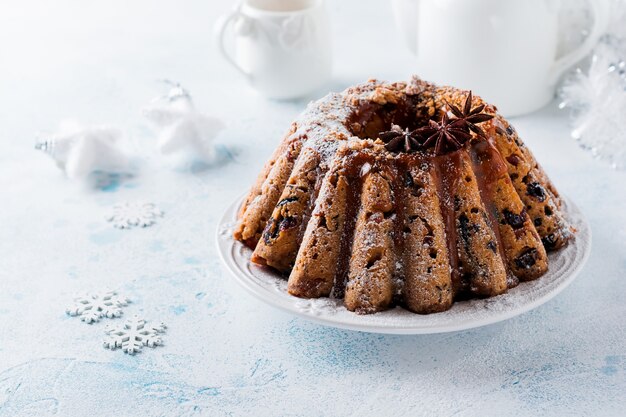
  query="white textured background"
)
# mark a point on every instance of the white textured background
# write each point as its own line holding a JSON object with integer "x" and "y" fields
{"x": 225, "y": 353}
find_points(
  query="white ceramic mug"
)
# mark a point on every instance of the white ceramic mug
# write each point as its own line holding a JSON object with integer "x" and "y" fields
{"x": 282, "y": 47}
{"x": 503, "y": 50}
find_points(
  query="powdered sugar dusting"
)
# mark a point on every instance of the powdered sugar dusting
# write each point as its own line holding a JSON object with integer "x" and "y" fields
{"x": 323, "y": 122}
{"x": 271, "y": 288}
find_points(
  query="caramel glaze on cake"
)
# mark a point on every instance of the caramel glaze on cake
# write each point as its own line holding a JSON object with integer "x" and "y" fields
{"x": 345, "y": 217}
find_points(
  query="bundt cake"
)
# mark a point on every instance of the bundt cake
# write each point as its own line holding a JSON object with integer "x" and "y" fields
{"x": 406, "y": 194}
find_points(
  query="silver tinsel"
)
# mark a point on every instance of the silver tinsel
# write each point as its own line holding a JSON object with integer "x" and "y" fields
{"x": 595, "y": 94}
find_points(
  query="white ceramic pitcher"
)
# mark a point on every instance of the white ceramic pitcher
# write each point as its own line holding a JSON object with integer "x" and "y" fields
{"x": 503, "y": 50}
{"x": 282, "y": 47}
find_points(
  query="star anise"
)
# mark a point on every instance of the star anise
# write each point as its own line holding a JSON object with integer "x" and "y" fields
{"x": 397, "y": 140}
{"x": 445, "y": 135}
{"x": 448, "y": 135}
{"x": 470, "y": 117}
{"x": 452, "y": 134}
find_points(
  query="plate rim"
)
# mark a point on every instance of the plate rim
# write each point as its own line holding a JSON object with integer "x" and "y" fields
{"x": 230, "y": 214}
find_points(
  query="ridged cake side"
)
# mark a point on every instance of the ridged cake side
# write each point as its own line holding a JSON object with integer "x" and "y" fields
{"x": 344, "y": 217}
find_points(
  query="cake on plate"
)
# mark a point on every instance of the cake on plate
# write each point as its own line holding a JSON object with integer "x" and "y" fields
{"x": 402, "y": 194}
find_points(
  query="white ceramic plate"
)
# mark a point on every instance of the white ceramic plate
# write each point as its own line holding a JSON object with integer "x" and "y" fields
{"x": 269, "y": 287}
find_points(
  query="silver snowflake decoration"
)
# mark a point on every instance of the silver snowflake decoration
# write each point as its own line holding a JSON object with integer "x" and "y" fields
{"x": 94, "y": 306}
{"x": 133, "y": 335}
{"x": 127, "y": 215}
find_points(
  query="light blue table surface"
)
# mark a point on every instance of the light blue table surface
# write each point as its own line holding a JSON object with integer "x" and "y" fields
{"x": 225, "y": 353}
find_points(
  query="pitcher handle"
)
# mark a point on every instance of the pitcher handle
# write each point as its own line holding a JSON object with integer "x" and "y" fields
{"x": 600, "y": 10}
{"x": 218, "y": 35}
